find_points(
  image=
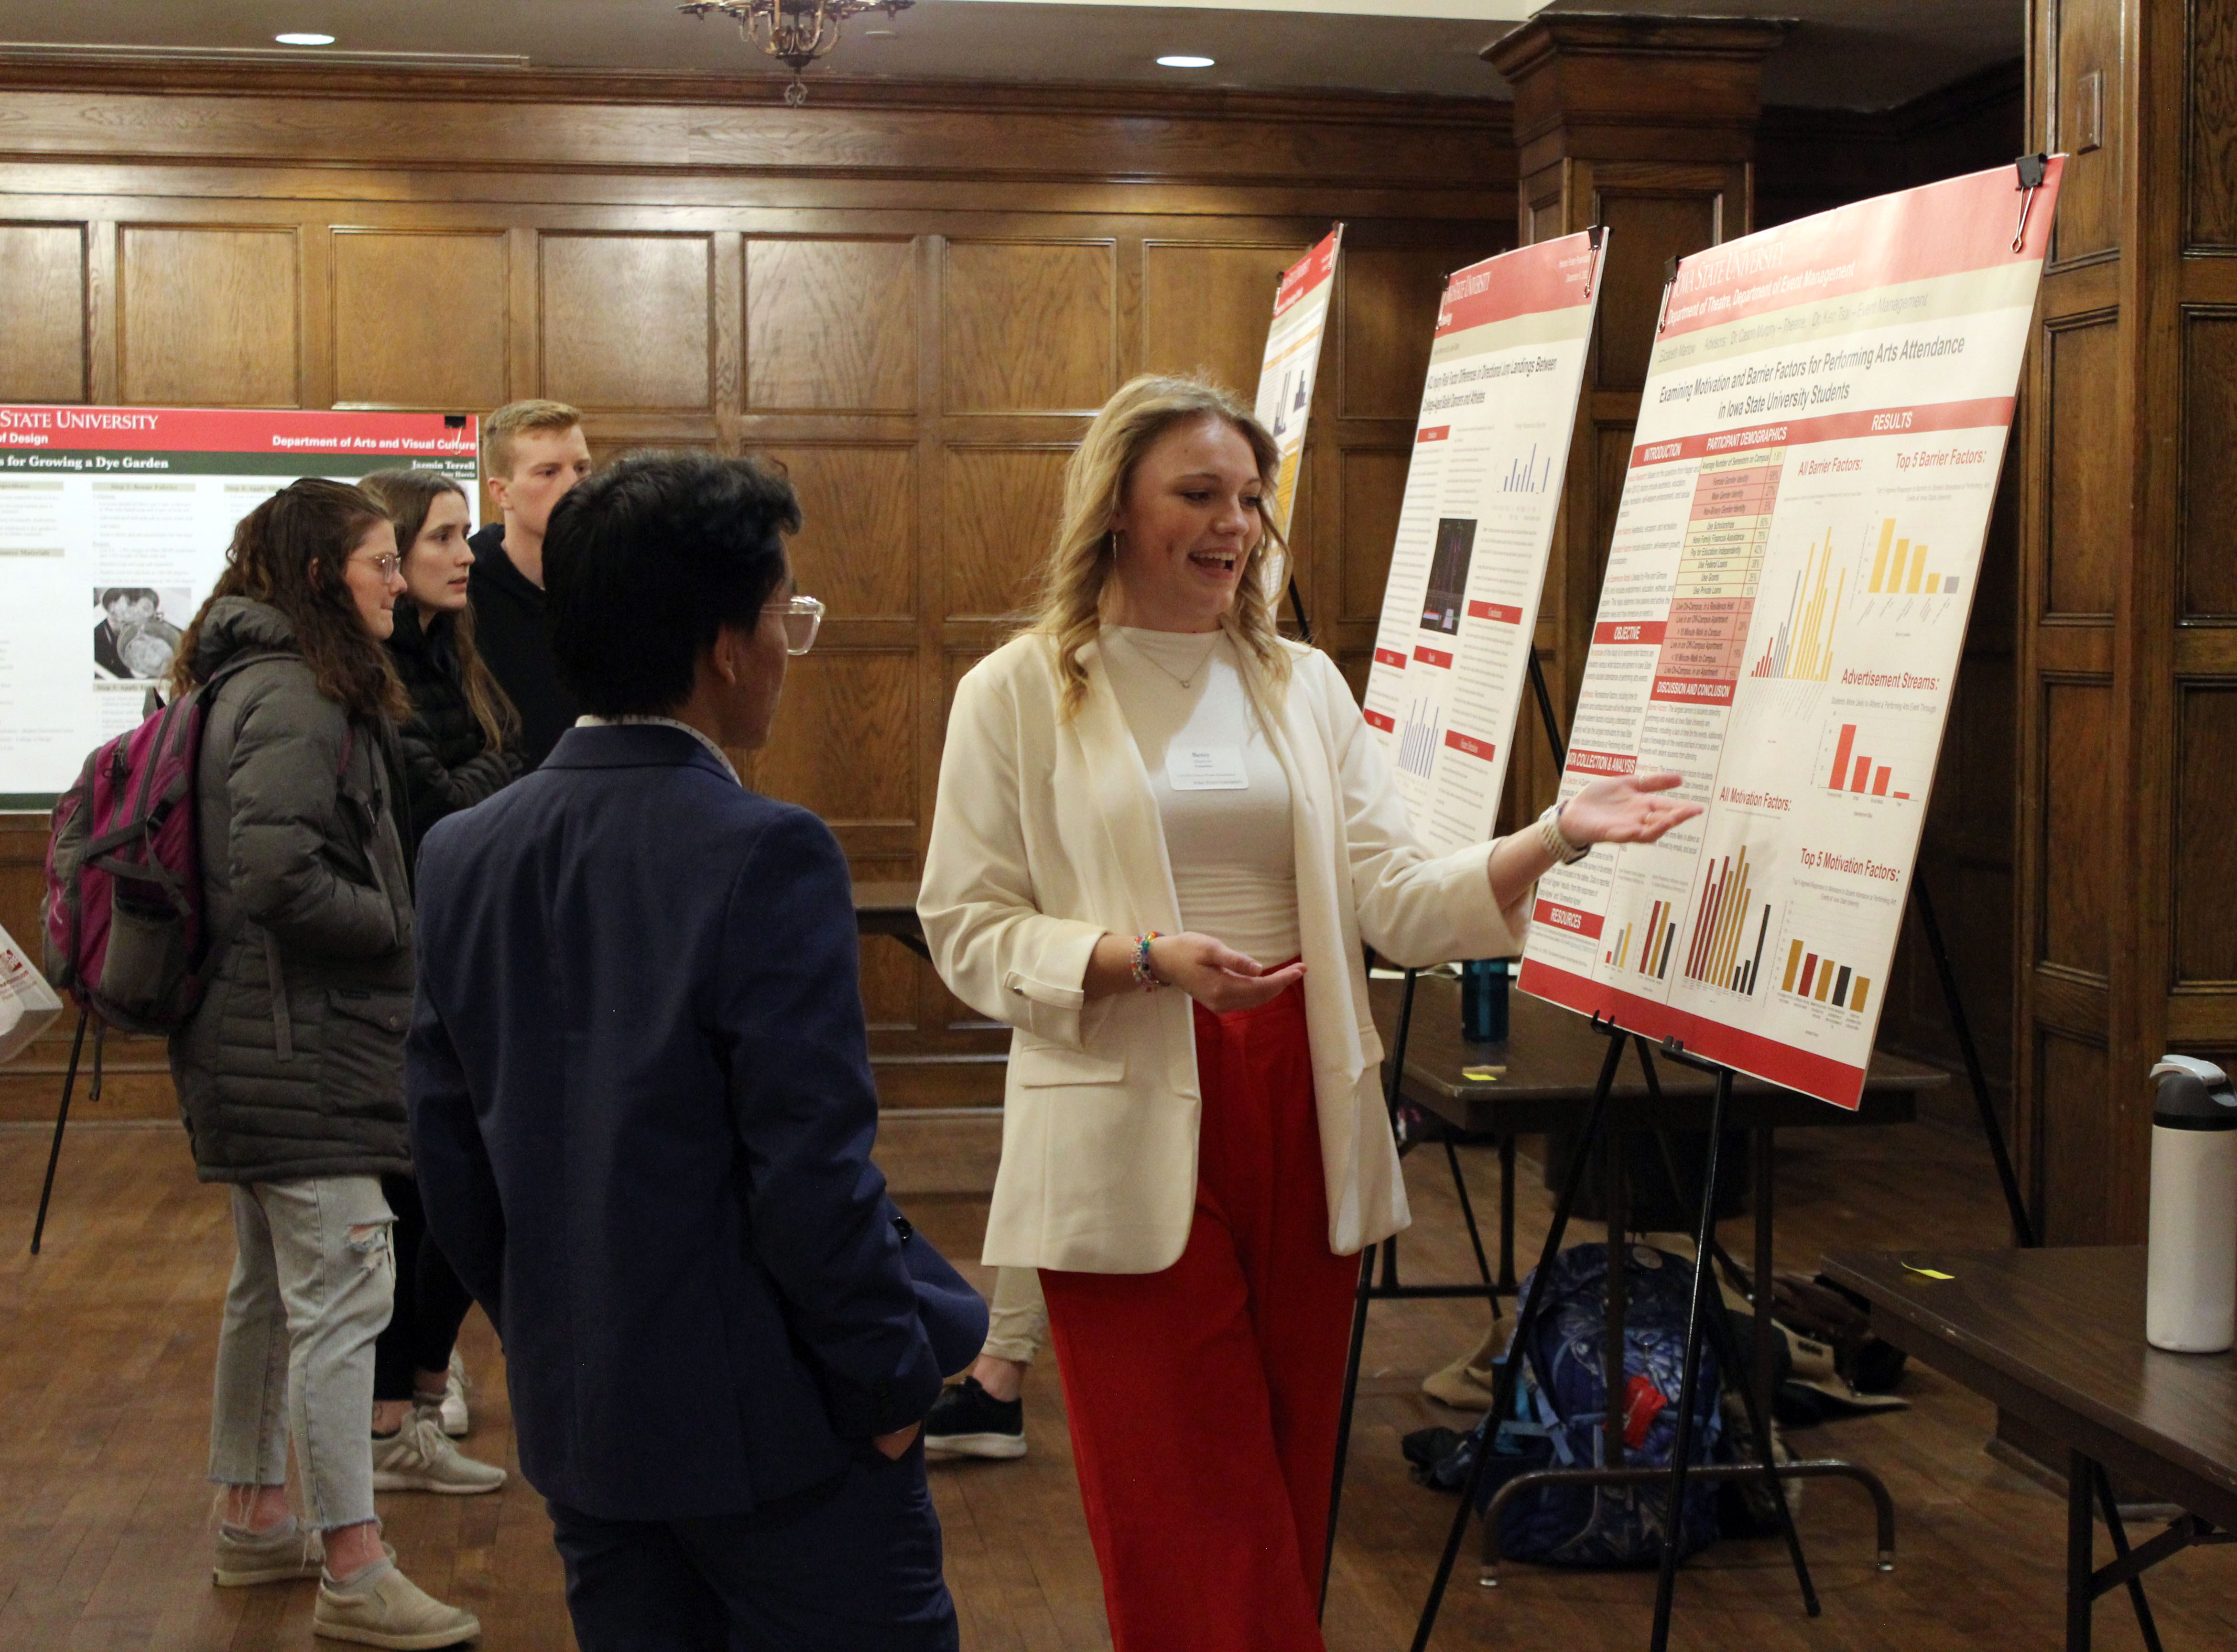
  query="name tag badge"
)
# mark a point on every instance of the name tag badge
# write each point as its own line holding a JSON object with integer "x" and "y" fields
{"x": 1206, "y": 769}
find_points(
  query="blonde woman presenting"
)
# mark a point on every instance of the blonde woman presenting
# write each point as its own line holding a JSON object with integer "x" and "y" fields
{"x": 1163, "y": 833}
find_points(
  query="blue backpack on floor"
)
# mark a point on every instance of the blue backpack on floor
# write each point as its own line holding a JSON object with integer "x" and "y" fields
{"x": 1560, "y": 1403}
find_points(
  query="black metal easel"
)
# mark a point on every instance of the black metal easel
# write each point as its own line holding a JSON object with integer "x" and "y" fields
{"x": 1388, "y": 1288}
{"x": 61, "y": 1113}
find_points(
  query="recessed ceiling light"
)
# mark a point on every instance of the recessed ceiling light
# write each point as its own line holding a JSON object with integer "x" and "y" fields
{"x": 1185, "y": 63}
{"x": 880, "y": 34}
{"x": 305, "y": 40}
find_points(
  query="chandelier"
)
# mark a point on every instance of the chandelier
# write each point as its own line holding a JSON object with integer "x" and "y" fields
{"x": 793, "y": 31}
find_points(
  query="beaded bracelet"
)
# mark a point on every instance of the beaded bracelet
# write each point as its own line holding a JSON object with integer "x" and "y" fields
{"x": 1143, "y": 977}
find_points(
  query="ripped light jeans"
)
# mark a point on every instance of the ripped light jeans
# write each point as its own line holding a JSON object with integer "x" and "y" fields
{"x": 314, "y": 1277}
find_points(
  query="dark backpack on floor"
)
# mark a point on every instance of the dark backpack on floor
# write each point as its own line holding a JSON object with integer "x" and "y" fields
{"x": 1560, "y": 1403}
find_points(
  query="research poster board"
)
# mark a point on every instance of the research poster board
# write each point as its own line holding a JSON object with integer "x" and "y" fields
{"x": 114, "y": 524}
{"x": 1475, "y": 523}
{"x": 1293, "y": 360}
{"x": 1818, "y": 445}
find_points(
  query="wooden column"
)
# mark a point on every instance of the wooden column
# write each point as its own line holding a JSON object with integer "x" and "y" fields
{"x": 1645, "y": 124}
{"x": 2127, "y": 933}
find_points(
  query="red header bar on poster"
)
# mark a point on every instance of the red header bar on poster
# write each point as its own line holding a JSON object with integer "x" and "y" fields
{"x": 1693, "y": 690}
{"x": 1630, "y": 630}
{"x": 1466, "y": 747}
{"x": 1563, "y": 917}
{"x": 1433, "y": 657}
{"x": 1944, "y": 228}
{"x": 1495, "y": 611}
{"x": 1990, "y": 413}
{"x": 1601, "y": 762}
{"x": 1553, "y": 275}
{"x": 1309, "y": 272}
{"x": 1379, "y": 720}
{"x": 1390, "y": 656}
{"x": 197, "y": 430}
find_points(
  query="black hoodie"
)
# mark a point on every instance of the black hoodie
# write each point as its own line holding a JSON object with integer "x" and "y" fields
{"x": 510, "y": 631}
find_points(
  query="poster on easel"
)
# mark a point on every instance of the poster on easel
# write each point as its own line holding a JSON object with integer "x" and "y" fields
{"x": 1819, "y": 446}
{"x": 114, "y": 525}
{"x": 1292, "y": 361}
{"x": 1475, "y": 526}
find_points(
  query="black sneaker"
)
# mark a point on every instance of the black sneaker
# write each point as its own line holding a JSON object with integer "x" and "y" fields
{"x": 967, "y": 1420}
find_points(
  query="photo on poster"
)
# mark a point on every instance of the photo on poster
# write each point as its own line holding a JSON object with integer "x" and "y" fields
{"x": 136, "y": 631}
{"x": 1448, "y": 569}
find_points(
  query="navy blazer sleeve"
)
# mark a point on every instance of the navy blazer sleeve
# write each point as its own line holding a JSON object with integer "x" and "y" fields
{"x": 806, "y": 1111}
{"x": 457, "y": 1185}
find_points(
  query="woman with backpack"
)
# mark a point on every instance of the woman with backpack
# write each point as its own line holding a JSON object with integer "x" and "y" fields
{"x": 459, "y": 746}
{"x": 290, "y": 1071}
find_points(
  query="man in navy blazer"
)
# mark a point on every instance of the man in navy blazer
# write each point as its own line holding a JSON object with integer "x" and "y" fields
{"x": 642, "y": 1115}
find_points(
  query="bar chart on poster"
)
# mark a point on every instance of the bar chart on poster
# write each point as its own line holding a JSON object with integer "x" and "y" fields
{"x": 1452, "y": 649}
{"x": 1292, "y": 361}
{"x": 114, "y": 524}
{"x": 1788, "y": 584}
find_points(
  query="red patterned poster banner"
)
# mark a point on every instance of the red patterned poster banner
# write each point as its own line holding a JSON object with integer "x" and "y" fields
{"x": 114, "y": 524}
{"x": 1452, "y": 653}
{"x": 1818, "y": 445}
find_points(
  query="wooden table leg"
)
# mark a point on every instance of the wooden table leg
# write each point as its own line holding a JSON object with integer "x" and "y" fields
{"x": 2081, "y": 1549}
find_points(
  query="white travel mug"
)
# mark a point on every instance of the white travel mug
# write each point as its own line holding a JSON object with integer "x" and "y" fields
{"x": 2190, "y": 1298}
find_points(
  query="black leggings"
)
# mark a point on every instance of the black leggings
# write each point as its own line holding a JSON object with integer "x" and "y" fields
{"x": 431, "y": 1301}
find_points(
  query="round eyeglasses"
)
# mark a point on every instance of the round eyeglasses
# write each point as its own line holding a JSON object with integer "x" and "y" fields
{"x": 803, "y": 617}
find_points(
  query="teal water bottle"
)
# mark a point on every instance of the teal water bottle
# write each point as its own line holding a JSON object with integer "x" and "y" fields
{"x": 1483, "y": 1000}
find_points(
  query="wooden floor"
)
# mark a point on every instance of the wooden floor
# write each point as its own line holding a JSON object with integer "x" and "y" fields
{"x": 104, "y": 1517}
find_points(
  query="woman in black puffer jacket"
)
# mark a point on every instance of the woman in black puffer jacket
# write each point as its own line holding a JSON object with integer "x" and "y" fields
{"x": 291, "y": 1072}
{"x": 459, "y": 747}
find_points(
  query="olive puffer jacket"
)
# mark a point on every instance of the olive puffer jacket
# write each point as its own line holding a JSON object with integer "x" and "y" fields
{"x": 448, "y": 764}
{"x": 294, "y": 1064}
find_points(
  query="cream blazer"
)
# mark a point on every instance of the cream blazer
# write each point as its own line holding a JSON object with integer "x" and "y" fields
{"x": 1047, "y": 835}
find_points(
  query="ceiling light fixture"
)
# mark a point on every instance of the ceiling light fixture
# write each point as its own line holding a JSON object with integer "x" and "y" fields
{"x": 1182, "y": 62}
{"x": 305, "y": 40}
{"x": 793, "y": 31}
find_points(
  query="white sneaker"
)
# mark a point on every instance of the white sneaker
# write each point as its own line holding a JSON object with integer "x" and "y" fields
{"x": 457, "y": 1421}
{"x": 388, "y": 1609}
{"x": 421, "y": 1458}
{"x": 289, "y": 1550}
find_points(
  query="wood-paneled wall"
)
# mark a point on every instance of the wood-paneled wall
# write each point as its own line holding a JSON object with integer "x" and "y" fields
{"x": 2127, "y": 605}
{"x": 915, "y": 298}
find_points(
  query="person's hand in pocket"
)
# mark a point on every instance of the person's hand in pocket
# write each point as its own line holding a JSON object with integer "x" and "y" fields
{"x": 894, "y": 1446}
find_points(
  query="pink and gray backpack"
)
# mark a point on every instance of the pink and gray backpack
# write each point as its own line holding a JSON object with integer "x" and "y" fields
{"x": 123, "y": 908}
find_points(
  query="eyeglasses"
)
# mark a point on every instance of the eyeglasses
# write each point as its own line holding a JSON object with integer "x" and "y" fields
{"x": 386, "y": 565}
{"x": 803, "y": 617}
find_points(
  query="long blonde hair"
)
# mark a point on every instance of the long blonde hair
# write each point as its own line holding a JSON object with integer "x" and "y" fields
{"x": 1084, "y": 555}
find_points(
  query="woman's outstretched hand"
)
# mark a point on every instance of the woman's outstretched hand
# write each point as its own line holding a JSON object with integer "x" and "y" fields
{"x": 1626, "y": 809}
{"x": 1218, "y": 977}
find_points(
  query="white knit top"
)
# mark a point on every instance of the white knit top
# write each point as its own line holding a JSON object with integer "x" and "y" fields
{"x": 1221, "y": 791}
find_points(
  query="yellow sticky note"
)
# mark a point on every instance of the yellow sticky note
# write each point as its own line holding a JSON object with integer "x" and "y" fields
{"x": 1930, "y": 1273}
{"x": 1482, "y": 1074}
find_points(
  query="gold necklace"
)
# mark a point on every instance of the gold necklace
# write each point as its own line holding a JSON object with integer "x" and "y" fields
{"x": 1188, "y": 682}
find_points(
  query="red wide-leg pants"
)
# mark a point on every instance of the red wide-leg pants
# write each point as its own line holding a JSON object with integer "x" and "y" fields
{"x": 1203, "y": 1399}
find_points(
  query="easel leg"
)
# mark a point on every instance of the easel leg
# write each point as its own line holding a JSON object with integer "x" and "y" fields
{"x": 61, "y": 1118}
{"x": 1344, "y": 1416}
{"x": 1525, "y": 1319}
{"x": 1755, "y": 1392}
{"x": 1390, "y": 1092}
{"x": 1689, "y": 1380}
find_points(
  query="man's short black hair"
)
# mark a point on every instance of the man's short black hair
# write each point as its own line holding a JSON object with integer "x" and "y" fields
{"x": 645, "y": 561}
